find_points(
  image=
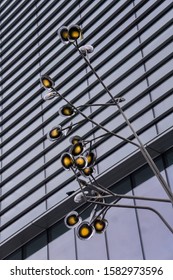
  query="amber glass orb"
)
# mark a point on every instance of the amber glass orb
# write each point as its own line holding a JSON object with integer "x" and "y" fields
{"x": 77, "y": 149}
{"x": 74, "y": 32}
{"x": 66, "y": 111}
{"x": 55, "y": 133}
{"x": 47, "y": 82}
{"x": 66, "y": 161}
{"x": 100, "y": 225}
{"x": 63, "y": 34}
{"x": 91, "y": 158}
{"x": 88, "y": 171}
{"x": 80, "y": 162}
{"x": 85, "y": 231}
{"x": 75, "y": 139}
{"x": 72, "y": 219}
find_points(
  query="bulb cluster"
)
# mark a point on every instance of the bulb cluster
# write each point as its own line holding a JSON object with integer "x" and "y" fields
{"x": 84, "y": 229}
{"x": 78, "y": 158}
{"x": 70, "y": 34}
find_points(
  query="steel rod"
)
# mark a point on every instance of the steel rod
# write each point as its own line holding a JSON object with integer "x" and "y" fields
{"x": 82, "y": 190}
{"x": 141, "y": 146}
{"x": 98, "y": 104}
{"x": 132, "y": 197}
{"x": 92, "y": 121}
{"x": 136, "y": 207}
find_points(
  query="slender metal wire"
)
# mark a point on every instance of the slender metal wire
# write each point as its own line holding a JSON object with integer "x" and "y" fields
{"x": 99, "y": 104}
{"x": 93, "y": 139}
{"x": 104, "y": 210}
{"x": 132, "y": 197}
{"x": 72, "y": 124}
{"x": 92, "y": 121}
{"x": 82, "y": 190}
{"x": 141, "y": 146}
{"x": 136, "y": 207}
{"x": 126, "y": 196}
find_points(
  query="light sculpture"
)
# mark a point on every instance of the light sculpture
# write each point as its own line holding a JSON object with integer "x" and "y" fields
{"x": 82, "y": 160}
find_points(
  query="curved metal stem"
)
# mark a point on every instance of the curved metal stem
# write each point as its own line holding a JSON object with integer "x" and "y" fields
{"x": 133, "y": 197}
{"x": 74, "y": 171}
{"x": 137, "y": 207}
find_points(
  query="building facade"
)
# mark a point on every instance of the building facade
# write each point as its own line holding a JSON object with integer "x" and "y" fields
{"x": 132, "y": 42}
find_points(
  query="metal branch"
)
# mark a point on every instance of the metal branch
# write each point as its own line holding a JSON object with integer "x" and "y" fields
{"x": 92, "y": 121}
{"x": 74, "y": 171}
{"x": 136, "y": 207}
{"x": 100, "y": 187}
{"x": 132, "y": 197}
{"x": 141, "y": 146}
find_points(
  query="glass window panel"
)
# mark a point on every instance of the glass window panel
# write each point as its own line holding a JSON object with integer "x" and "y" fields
{"x": 162, "y": 88}
{"x": 21, "y": 206}
{"x": 62, "y": 243}
{"x": 152, "y": 14}
{"x": 121, "y": 40}
{"x": 18, "y": 81}
{"x": 111, "y": 125}
{"x": 155, "y": 236}
{"x": 145, "y": 6}
{"x": 22, "y": 148}
{"x": 23, "y": 161}
{"x": 137, "y": 106}
{"x": 92, "y": 249}
{"x": 148, "y": 134}
{"x": 143, "y": 120}
{"x": 21, "y": 91}
{"x": 47, "y": 13}
{"x": 103, "y": 115}
{"x": 23, "y": 221}
{"x": 7, "y": 7}
{"x": 165, "y": 124}
{"x": 97, "y": 11}
{"x": 16, "y": 44}
{"x": 22, "y": 134}
{"x": 36, "y": 249}
{"x": 159, "y": 56}
{"x": 122, "y": 232}
{"x": 158, "y": 40}
{"x": 18, "y": 52}
{"x": 22, "y": 175}
{"x": 17, "y": 26}
{"x": 122, "y": 69}
{"x": 126, "y": 81}
{"x": 29, "y": 185}
{"x": 60, "y": 178}
{"x": 110, "y": 24}
{"x": 115, "y": 157}
{"x": 121, "y": 54}
{"x": 20, "y": 112}
{"x": 170, "y": 176}
{"x": 25, "y": 65}
{"x": 44, "y": 8}
{"x": 22, "y": 191}
{"x": 163, "y": 106}
{"x": 158, "y": 24}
